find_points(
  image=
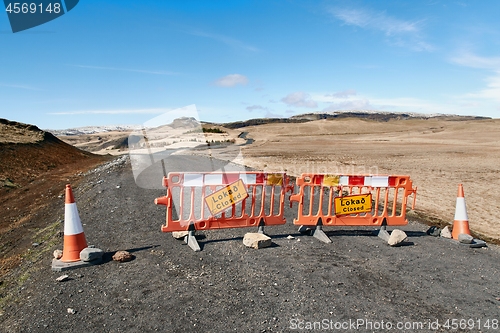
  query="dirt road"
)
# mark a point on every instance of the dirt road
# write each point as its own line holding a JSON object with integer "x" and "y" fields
{"x": 357, "y": 282}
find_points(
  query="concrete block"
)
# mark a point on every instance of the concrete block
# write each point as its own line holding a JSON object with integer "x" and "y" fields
{"x": 465, "y": 239}
{"x": 90, "y": 254}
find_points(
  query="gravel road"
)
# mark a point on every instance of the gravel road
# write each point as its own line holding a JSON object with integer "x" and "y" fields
{"x": 298, "y": 284}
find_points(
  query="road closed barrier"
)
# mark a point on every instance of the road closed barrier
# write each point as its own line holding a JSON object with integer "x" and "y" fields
{"x": 351, "y": 200}
{"x": 219, "y": 200}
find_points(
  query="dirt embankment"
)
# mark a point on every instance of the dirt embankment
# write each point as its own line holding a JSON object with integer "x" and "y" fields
{"x": 34, "y": 168}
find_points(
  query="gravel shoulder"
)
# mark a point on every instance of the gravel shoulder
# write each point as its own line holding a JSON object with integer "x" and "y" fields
{"x": 228, "y": 287}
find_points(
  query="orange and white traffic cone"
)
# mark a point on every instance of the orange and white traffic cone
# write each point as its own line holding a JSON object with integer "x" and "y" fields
{"x": 461, "y": 222}
{"x": 74, "y": 237}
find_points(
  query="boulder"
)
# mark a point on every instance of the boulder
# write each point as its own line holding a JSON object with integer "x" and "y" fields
{"x": 122, "y": 256}
{"x": 397, "y": 237}
{"x": 256, "y": 240}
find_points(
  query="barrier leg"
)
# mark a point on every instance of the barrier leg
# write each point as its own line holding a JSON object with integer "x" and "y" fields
{"x": 191, "y": 241}
{"x": 384, "y": 224}
{"x": 320, "y": 234}
{"x": 382, "y": 233}
{"x": 304, "y": 230}
{"x": 261, "y": 226}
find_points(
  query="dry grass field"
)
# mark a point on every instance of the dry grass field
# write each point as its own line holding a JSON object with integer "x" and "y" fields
{"x": 438, "y": 155}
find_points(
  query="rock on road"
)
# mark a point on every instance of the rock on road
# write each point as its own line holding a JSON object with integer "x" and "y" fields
{"x": 295, "y": 284}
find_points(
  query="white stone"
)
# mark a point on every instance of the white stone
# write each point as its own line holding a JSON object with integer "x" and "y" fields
{"x": 256, "y": 240}
{"x": 179, "y": 234}
{"x": 58, "y": 254}
{"x": 62, "y": 278}
{"x": 446, "y": 233}
{"x": 397, "y": 237}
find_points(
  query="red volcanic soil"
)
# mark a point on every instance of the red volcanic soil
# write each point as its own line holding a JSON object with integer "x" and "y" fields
{"x": 34, "y": 168}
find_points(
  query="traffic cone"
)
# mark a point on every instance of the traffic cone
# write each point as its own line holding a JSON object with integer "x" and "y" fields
{"x": 74, "y": 237}
{"x": 461, "y": 222}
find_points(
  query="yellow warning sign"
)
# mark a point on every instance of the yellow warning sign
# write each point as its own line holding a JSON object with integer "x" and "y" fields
{"x": 227, "y": 196}
{"x": 274, "y": 179}
{"x": 331, "y": 180}
{"x": 353, "y": 204}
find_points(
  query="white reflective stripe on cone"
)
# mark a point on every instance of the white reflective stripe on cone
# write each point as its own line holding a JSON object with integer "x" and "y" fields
{"x": 461, "y": 210}
{"x": 72, "y": 223}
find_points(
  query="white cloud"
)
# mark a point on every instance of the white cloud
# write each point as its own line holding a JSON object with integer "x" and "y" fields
{"x": 224, "y": 39}
{"x": 359, "y": 104}
{"x": 399, "y": 32}
{"x": 492, "y": 90}
{"x": 127, "y": 70}
{"x": 469, "y": 59}
{"x": 119, "y": 111}
{"x": 347, "y": 100}
{"x": 255, "y": 107}
{"x": 231, "y": 80}
{"x": 408, "y": 103}
{"x": 19, "y": 86}
{"x": 412, "y": 44}
{"x": 299, "y": 99}
{"x": 343, "y": 93}
{"x": 272, "y": 115}
{"x": 375, "y": 20}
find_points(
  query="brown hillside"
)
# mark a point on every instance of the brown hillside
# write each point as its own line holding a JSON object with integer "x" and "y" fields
{"x": 34, "y": 168}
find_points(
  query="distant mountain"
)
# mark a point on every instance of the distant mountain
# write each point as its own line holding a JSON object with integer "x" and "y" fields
{"x": 185, "y": 122}
{"x": 94, "y": 129}
{"x": 361, "y": 114}
{"x": 192, "y": 123}
{"x": 182, "y": 122}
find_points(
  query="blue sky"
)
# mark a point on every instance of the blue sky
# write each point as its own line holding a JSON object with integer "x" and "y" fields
{"x": 124, "y": 62}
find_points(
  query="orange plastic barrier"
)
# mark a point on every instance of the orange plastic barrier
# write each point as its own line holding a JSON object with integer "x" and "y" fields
{"x": 343, "y": 200}
{"x": 191, "y": 198}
